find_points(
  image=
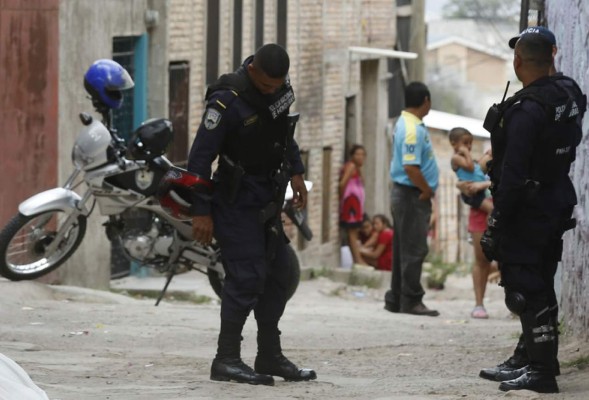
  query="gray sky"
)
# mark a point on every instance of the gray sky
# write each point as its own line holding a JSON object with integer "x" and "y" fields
{"x": 433, "y": 9}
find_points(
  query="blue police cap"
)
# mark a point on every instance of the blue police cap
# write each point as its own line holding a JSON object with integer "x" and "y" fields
{"x": 534, "y": 30}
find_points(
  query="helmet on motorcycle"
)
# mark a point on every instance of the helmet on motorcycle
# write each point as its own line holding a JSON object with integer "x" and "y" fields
{"x": 176, "y": 190}
{"x": 151, "y": 139}
{"x": 104, "y": 81}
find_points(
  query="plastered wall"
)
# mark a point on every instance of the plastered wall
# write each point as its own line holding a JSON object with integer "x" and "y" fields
{"x": 571, "y": 26}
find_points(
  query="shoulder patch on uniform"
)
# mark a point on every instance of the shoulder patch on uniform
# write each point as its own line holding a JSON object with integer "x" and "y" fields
{"x": 211, "y": 119}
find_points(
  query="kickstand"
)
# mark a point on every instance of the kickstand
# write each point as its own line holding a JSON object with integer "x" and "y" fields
{"x": 163, "y": 292}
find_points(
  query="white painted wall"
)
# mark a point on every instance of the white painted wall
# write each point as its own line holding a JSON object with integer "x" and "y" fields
{"x": 570, "y": 24}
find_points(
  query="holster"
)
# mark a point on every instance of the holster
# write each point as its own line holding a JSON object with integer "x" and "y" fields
{"x": 231, "y": 174}
{"x": 270, "y": 211}
{"x": 273, "y": 234}
{"x": 271, "y": 215}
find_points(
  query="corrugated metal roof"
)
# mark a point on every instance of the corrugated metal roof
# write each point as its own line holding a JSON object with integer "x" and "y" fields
{"x": 446, "y": 121}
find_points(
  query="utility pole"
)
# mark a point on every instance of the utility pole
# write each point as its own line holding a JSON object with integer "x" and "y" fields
{"x": 417, "y": 41}
{"x": 524, "y": 16}
{"x": 411, "y": 36}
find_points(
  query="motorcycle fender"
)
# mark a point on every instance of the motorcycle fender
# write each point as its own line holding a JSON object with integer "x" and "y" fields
{"x": 53, "y": 199}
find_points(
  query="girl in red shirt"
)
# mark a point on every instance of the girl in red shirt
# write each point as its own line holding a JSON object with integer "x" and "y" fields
{"x": 383, "y": 251}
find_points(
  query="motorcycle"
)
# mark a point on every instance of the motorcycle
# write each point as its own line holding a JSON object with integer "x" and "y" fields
{"x": 122, "y": 180}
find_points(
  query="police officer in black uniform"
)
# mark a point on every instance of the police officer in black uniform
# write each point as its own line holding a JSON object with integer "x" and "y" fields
{"x": 246, "y": 124}
{"x": 534, "y": 135}
{"x": 519, "y": 358}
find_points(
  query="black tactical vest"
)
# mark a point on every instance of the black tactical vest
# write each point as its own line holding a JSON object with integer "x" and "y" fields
{"x": 564, "y": 105}
{"x": 264, "y": 147}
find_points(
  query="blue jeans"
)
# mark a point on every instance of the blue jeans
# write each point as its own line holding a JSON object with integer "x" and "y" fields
{"x": 411, "y": 220}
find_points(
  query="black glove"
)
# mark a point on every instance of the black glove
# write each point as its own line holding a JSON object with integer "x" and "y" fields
{"x": 490, "y": 240}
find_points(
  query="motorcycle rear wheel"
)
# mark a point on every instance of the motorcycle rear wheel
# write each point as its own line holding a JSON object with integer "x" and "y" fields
{"x": 24, "y": 240}
{"x": 294, "y": 275}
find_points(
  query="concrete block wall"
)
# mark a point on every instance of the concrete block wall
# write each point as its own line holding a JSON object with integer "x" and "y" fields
{"x": 85, "y": 35}
{"x": 571, "y": 26}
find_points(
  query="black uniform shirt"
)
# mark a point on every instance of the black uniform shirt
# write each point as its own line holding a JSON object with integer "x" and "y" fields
{"x": 529, "y": 213}
{"x": 227, "y": 117}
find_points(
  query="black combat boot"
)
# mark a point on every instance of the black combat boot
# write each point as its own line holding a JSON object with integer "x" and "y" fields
{"x": 227, "y": 365}
{"x": 540, "y": 342}
{"x": 270, "y": 359}
{"x": 518, "y": 360}
{"x": 507, "y": 375}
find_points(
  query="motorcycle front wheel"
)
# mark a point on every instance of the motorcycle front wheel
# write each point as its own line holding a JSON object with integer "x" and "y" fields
{"x": 25, "y": 239}
{"x": 294, "y": 275}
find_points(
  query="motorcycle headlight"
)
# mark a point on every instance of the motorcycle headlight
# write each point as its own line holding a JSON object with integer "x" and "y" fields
{"x": 79, "y": 158}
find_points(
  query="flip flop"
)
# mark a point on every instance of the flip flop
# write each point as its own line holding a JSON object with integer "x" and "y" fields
{"x": 479, "y": 312}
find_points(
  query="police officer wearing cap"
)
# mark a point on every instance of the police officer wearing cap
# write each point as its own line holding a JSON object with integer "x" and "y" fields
{"x": 534, "y": 135}
{"x": 246, "y": 124}
{"x": 519, "y": 358}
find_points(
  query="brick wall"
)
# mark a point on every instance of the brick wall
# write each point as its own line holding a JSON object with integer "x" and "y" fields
{"x": 571, "y": 26}
{"x": 324, "y": 75}
{"x": 187, "y": 24}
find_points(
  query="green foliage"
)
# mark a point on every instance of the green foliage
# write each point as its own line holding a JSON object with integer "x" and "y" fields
{"x": 169, "y": 296}
{"x": 318, "y": 272}
{"x": 580, "y": 362}
{"x": 437, "y": 270}
{"x": 481, "y": 9}
{"x": 371, "y": 279}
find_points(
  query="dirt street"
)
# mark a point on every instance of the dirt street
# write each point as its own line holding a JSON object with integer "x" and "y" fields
{"x": 80, "y": 344}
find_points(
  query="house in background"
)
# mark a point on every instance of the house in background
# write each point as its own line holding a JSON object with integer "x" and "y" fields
{"x": 469, "y": 63}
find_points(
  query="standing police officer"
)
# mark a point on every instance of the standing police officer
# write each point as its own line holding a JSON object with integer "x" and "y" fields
{"x": 534, "y": 135}
{"x": 519, "y": 358}
{"x": 246, "y": 124}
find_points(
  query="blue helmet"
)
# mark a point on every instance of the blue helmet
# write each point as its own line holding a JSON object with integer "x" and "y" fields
{"x": 104, "y": 81}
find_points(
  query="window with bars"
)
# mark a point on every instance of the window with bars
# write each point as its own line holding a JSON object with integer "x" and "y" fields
{"x": 259, "y": 27}
{"x": 178, "y": 107}
{"x": 281, "y": 22}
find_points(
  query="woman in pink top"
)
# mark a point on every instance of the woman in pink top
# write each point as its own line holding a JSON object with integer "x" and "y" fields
{"x": 351, "y": 190}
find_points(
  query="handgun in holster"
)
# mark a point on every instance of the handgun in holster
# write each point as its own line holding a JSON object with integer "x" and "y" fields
{"x": 231, "y": 175}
